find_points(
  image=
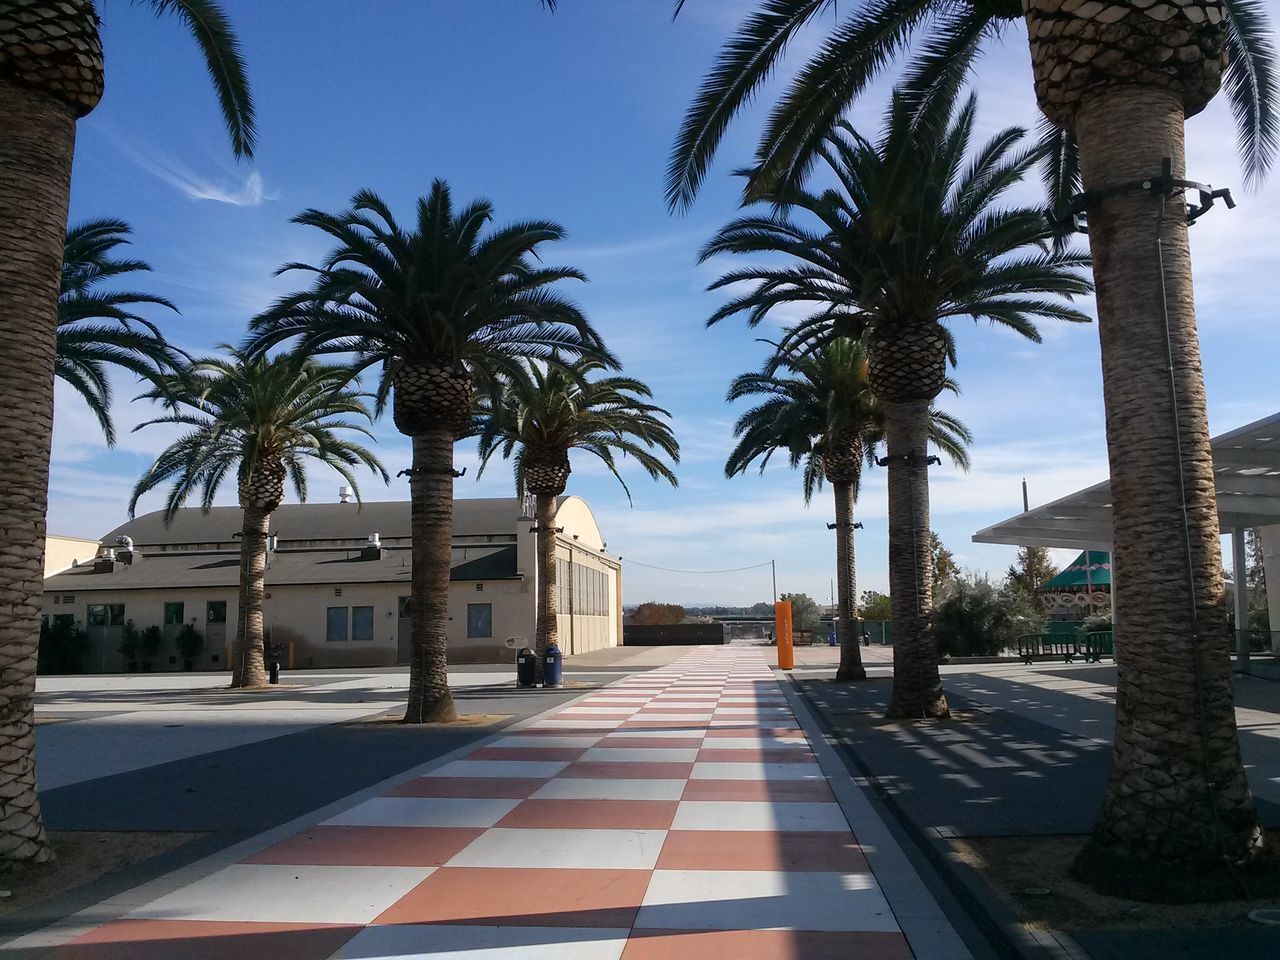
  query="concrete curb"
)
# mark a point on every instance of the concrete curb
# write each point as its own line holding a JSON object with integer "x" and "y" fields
{"x": 1004, "y": 935}
{"x": 925, "y": 924}
{"x": 117, "y": 906}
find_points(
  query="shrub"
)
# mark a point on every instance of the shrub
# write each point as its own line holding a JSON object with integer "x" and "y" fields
{"x": 130, "y": 641}
{"x": 63, "y": 645}
{"x": 189, "y": 641}
{"x": 150, "y": 644}
{"x": 978, "y": 619}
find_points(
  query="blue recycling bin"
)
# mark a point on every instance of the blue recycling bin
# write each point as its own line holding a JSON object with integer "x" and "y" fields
{"x": 551, "y": 666}
{"x": 833, "y": 638}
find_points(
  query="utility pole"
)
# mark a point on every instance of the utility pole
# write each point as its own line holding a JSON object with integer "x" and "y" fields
{"x": 773, "y": 565}
{"x": 1025, "y": 506}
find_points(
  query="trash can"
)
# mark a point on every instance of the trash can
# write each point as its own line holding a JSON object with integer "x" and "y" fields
{"x": 526, "y": 668}
{"x": 551, "y": 666}
{"x": 833, "y": 638}
{"x": 273, "y": 671}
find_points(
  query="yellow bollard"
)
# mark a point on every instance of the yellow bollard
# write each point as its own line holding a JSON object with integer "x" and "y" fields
{"x": 782, "y": 630}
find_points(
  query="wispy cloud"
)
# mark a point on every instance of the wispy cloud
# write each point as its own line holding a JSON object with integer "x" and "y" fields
{"x": 233, "y": 189}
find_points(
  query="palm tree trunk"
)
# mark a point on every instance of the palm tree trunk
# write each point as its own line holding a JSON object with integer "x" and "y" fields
{"x": 431, "y": 491}
{"x": 37, "y": 138}
{"x": 1178, "y": 805}
{"x": 917, "y": 687}
{"x": 548, "y": 627}
{"x": 851, "y": 667}
{"x": 249, "y": 669}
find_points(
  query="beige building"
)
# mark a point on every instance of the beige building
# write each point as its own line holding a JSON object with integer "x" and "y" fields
{"x": 63, "y": 553}
{"x": 337, "y": 584}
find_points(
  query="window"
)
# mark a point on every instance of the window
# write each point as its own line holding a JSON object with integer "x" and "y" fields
{"x": 106, "y": 614}
{"x": 362, "y": 623}
{"x": 405, "y": 608}
{"x": 479, "y": 619}
{"x": 174, "y": 613}
{"x": 336, "y": 628}
{"x": 216, "y": 611}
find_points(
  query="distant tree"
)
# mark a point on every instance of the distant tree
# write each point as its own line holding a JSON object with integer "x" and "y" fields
{"x": 1031, "y": 569}
{"x": 761, "y": 609}
{"x": 876, "y": 606}
{"x": 945, "y": 568}
{"x": 653, "y": 614}
{"x": 1256, "y": 583}
{"x": 805, "y": 615}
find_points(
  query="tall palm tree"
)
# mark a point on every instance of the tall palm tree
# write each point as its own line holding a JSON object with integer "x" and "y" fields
{"x": 437, "y": 306}
{"x": 50, "y": 76}
{"x": 819, "y": 408}
{"x": 263, "y": 419}
{"x": 96, "y": 327}
{"x": 1116, "y": 82}
{"x": 913, "y": 236}
{"x": 537, "y": 413}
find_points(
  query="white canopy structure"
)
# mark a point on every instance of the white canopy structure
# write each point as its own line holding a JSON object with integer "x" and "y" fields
{"x": 1246, "y": 466}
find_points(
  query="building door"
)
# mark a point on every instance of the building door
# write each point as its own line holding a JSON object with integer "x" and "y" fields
{"x": 403, "y": 644}
{"x": 215, "y": 630}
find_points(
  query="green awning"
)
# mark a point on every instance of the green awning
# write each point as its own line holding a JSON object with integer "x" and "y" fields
{"x": 1091, "y": 568}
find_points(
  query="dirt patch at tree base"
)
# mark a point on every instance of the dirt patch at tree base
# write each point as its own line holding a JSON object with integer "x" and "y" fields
{"x": 1029, "y": 874}
{"x": 83, "y": 856}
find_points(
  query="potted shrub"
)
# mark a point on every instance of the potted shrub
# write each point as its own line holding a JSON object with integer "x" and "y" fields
{"x": 190, "y": 644}
{"x": 149, "y": 646}
{"x": 130, "y": 645}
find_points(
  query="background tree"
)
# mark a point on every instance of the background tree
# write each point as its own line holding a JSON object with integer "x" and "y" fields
{"x": 536, "y": 414}
{"x": 1116, "y": 82}
{"x": 50, "y": 76}
{"x": 943, "y": 561}
{"x": 1256, "y": 577}
{"x": 819, "y": 408}
{"x": 436, "y": 306}
{"x": 261, "y": 418}
{"x": 806, "y": 617}
{"x": 652, "y": 614}
{"x": 96, "y": 328}
{"x": 848, "y": 259}
{"x": 876, "y": 605}
{"x": 1031, "y": 567}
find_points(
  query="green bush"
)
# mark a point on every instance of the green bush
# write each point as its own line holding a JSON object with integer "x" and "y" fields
{"x": 976, "y": 618}
{"x": 189, "y": 641}
{"x": 63, "y": 645}
{"x": 152, "y": 641}
{"x": 130, "y": 641}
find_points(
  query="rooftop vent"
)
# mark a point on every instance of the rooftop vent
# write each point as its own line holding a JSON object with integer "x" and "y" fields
{"x": 373, "y": 549}
{"x": 346, "y": 494}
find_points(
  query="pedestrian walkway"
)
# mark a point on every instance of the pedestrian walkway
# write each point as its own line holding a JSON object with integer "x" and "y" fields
{"x": 676, "y": 813}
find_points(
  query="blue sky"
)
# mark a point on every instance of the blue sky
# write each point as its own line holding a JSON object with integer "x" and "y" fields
{"x": 571, "y": 117}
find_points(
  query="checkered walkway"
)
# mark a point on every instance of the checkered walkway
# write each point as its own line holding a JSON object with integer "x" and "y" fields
{"x": 675, "y": 814}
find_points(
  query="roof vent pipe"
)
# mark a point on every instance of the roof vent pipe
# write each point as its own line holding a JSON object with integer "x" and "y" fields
{"x": 374, "y": 540}
{"x": 345, "y": 494}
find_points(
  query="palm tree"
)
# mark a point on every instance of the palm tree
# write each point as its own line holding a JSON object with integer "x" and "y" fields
{"x": 437, "y": 306}
{"x": 86, "y": 345}
{"x": 911, "y": 238}
{"x": 263, "y": 418}
{"x": 538, "y": 413}
{"x": 1116, "y": 82}
{"x": 822, "y": 412}
{"x": 50, "y": 76}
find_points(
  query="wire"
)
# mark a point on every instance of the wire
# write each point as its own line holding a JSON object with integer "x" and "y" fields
{"x": 650, "y": 566}
{"x": 1197, "y": 669}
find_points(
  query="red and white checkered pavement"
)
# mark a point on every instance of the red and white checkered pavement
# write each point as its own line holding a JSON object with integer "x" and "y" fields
{"x": 675, "y": 814}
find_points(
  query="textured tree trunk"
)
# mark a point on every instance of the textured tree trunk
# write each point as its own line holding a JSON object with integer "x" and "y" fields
{"x": 431, "y": 492}
{"x": 1178, "y": 809}
{"x": 250, "y": 669}
{"x": 917, "y": 686}
{"x": 851, "y": 667}
{"x": 548, "y": 627}
{"x": 37, "y": 137}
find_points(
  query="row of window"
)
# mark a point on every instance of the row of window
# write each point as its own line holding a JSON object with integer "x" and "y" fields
{"x": 479, "y": 618}
{"x": 112, "y": 614}
{"x": 582, "y": 590}
{"x": 349, "y": 623}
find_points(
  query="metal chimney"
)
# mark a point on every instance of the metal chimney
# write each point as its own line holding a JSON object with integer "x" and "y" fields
{"x": 346, "y": 494}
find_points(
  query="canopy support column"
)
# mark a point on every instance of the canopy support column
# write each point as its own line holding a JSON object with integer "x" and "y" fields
{"x": 1240, "y": 573}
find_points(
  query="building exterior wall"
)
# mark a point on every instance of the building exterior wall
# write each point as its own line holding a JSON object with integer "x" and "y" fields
{"x": 62, "y": 553}
{"x": 1270, "y": 537}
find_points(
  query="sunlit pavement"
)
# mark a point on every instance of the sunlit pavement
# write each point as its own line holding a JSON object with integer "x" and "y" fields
{"x": 682, "y": 812}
